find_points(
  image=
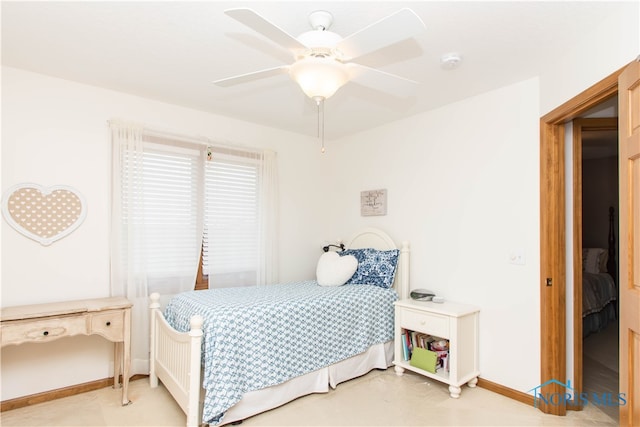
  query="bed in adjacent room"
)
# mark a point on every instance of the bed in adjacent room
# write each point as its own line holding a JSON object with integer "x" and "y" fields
{"x": 599, "y": 290}
{"x": 227, "y": 354}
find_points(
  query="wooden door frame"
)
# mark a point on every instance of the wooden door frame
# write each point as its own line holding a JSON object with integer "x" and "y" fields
{"x": 553, "y": 348}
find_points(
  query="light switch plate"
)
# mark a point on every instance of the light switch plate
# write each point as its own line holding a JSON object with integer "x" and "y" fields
{"x": 516, "y": 256}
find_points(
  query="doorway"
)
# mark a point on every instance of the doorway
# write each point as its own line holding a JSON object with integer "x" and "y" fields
{"x": 594, "y": 269}
{"x": 553, "y": 265}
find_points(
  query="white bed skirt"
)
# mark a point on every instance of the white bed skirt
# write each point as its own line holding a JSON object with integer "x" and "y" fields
{"x": 379, "y": 356}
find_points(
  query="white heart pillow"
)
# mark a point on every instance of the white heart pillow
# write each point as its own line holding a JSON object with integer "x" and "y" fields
{"x": 335, "y": 270}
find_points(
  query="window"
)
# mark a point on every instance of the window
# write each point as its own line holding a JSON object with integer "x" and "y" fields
{"x": 160, "y": 211}
{"x": 231, "y": 241}
{"x": 186, "y": 214}
{"x": 163, "y": 188}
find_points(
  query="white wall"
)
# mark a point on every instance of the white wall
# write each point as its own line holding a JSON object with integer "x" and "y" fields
{"x": 54, "y": 132}
{"x": 606, "y": 48}
{"x": 463, "y": 189}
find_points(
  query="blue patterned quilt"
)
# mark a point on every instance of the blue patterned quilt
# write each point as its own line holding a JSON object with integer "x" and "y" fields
{"x": 258, "y": 337}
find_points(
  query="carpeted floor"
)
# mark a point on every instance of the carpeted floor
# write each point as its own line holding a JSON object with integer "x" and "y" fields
{"x": 600, "y": 365}
{"x": 603, "y": 346}
{"x": 380, "y": 398}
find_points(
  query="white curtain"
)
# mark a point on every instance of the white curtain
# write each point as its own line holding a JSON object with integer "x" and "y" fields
{"x": 154, "y": 248}
{"x": 268, "y": 220}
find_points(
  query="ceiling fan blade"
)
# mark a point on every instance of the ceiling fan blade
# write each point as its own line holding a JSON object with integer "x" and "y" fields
{"x": 259, "y": 24}
{"x": 381, "y": 80}
{"x": 243, "y": 78}
{"x": 396, "y": 27}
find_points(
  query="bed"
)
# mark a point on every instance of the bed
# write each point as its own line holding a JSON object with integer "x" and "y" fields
{"x": 599, "y": 290}
{"x": 223, "y": 363}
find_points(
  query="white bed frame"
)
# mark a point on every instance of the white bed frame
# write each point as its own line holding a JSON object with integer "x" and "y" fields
{"x": 176, "y": 360}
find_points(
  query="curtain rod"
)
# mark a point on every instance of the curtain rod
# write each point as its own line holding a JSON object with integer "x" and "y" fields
{"x": 202, "y": 140}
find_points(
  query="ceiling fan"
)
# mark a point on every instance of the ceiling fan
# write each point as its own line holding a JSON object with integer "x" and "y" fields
{"x": 322, "y": 59}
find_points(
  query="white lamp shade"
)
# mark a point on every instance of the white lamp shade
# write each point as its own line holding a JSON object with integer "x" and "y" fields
{"x": 319, "y": 77}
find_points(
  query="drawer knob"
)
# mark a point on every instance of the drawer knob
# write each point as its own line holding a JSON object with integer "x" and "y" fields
{"x": 45, "y": 333}
{"x": 108, "y": 323}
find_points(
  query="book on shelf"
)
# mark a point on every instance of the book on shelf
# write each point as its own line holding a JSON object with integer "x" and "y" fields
{"x": 424, "y": 359}
{"x": 405, "y": 347}
{"x": 413, "y": 341}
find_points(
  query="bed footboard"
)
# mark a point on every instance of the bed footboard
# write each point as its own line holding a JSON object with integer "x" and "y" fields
{"x": 175, "y": 360}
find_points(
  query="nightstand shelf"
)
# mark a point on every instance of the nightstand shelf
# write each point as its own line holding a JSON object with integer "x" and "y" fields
{"x": 455, "y": 322}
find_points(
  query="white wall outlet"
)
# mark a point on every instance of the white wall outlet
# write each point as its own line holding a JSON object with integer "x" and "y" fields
{"x": 516, "y": 256}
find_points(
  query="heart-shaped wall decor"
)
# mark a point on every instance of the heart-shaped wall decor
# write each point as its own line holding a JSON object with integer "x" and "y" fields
{"x": 44, "y": 214}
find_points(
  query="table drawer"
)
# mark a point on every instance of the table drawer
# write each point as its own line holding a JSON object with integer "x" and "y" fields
{"x": 428, "y": 323}
{"x": 110, "y": 325}
{"x": 42, "y": 330}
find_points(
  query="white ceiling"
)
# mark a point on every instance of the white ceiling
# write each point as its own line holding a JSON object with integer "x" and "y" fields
{"x": 172, "y": 51}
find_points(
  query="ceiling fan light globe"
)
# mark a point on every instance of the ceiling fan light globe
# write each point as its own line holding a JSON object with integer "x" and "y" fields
{"x": 319, "y": 77}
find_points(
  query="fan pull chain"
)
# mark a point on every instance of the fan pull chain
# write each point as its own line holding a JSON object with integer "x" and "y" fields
{"x": 320, "y": 107}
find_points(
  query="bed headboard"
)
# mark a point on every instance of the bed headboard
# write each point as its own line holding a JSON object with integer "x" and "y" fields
{"x": 378, "y": 239}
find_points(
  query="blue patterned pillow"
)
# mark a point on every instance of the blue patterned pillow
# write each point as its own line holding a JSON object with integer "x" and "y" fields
{"x": 374, "y": 267}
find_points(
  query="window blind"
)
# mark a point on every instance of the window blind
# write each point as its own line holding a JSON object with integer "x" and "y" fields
{"x": 160, "y": 209}
{"x": 231, "y": 224}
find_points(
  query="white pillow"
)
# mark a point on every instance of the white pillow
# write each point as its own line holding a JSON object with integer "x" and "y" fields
{"x": 592, "y": 259}
{"x": 335, "y": 270}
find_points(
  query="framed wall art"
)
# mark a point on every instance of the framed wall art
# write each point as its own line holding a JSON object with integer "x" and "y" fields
{"x": 373, "y": 202}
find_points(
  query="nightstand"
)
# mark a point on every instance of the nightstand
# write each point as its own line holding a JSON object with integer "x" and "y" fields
{"x": 457, "y": 323}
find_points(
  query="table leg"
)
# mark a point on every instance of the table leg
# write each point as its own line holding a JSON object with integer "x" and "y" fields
{"x": 126, "y": 358}
{"x": 117, "y": 364}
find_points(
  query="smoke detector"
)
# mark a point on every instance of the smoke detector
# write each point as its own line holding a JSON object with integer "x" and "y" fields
{"x": 449, "y": 61}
